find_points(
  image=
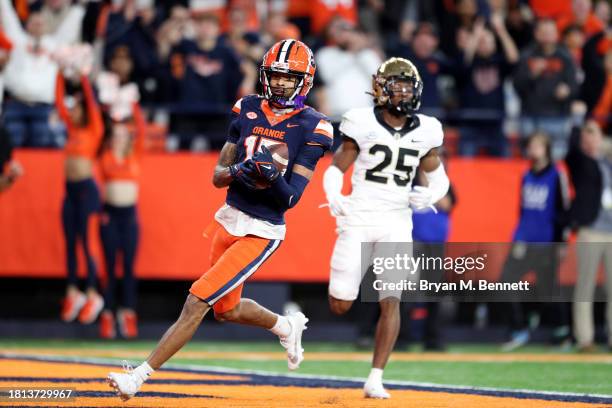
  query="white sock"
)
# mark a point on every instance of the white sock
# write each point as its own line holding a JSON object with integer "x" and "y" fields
{"x": 144, "y": 371}
{"x": 375, "y": 375}
{"x": 282, "y": 328}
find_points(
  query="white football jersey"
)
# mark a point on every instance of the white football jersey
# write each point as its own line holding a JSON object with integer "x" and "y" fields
{"x": 386, "y": 166}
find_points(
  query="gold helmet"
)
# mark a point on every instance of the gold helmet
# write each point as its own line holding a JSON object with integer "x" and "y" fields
{"x": 388, "y": 80}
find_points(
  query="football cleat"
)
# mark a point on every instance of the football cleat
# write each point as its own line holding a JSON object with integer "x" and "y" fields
{"x": 125, "y": 384}
{"x": 375, "y": 390}
{"x": 293, "y": 342}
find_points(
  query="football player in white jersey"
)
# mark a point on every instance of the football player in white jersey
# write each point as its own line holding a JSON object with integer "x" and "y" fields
{"x": 386, "y": 144}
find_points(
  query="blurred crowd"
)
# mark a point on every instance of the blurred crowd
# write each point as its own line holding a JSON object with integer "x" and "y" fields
{"x": 495, "y": 71}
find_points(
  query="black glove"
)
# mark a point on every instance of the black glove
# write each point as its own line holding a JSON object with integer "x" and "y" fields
{"x": 243, "y": 173}
{"x": 264, "y": 164}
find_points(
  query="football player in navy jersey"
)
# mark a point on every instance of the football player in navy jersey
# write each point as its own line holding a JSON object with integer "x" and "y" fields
{"x": 273, "y": 146}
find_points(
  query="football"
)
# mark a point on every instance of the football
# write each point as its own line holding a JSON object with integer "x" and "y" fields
{"x": 280, "y": 154}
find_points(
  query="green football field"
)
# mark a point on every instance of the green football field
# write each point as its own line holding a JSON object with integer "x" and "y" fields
{"x": 530, "y": 368}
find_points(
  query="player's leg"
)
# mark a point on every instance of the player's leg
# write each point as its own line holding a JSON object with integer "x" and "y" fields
{"x": 218, "y": 281}
{"x": 345, "y": 274}
{"x": 232, "y": 266}
{"x": 387, "y": 331}
{"x": 229, "y": 306}
{"x": 390, "y": 241}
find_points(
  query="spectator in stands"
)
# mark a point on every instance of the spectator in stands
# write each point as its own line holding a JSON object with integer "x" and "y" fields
{"x": 590, "y": 168}
{"x": 545, "y": 81}
{"x": 203, "y": 76}
{"x": 133, "y": 25}
{"x": 247, "y": 44}
{"x": 457, "y": 17}
{"x": 480, "y": 80}
{"x": 345, "y": 67}
{"x": 322, "y": 12}
{"x": 240, "y": 38}
{"x": 597, "y": 66}
{"x": 176, "y": 28}
{"x": 83, "y": 119}
{"x": 519, "y": 24}
{"x": 277, "y": 28}
{"x": 119, "y": 231}
{"x": 574, "y": 39}
{"x": 53, "y": 13}
{"x": 602, "y": 12}
{"x": 602, "y": 112}
{"x": 431, "y": 63}
{"x": 582, "y": 15}
{"x": 544, "y": 202}
{"x": 10, "y": 170}
{"x": 30, "y": 73}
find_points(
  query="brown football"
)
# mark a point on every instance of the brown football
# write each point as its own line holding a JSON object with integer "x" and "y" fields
{"x": 280, "y": 154}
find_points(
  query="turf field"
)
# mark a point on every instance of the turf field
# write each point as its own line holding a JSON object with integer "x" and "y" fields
{"x": 470, "y": 376}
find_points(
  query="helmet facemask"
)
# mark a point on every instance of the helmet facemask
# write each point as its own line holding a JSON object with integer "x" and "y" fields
{"x": 397, "y": 86}
{"x": 289, "y": 97}
{"x": 408, "y": 87}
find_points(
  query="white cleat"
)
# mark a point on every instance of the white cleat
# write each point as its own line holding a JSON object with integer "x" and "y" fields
{"x": 126, "y": 384}
{"x": 375, "y": 390}
{"x": 293, "y": 342}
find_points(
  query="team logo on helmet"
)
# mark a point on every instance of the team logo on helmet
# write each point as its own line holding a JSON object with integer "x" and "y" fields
{"x": 293, "y": 58}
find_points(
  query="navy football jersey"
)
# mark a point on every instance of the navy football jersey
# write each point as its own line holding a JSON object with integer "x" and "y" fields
{"x": 253, "y": 125}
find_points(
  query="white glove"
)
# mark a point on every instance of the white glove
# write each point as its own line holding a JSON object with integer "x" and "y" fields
{"x": 420, "y": 198}
{"x": 338, "y": 205}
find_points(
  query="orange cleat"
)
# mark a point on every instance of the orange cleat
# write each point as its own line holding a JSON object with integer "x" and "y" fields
{"x": 107, "y": 325}
{"x": 128, "y": 323}
{"x": 73, "y": 303}
{"x": 92, "y": 308}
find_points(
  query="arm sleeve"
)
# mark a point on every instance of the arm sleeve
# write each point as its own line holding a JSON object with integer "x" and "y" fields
{"x": 310, "y": 154}
{"x": 438, "y": 183}
{"x": 289, "y": 193}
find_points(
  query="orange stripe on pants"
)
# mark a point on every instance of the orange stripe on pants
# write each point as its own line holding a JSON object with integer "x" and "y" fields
{"x": 230, "y": 255}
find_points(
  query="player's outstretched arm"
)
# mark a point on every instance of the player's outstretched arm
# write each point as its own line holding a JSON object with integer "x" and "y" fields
{"x": 437, "y": 182}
